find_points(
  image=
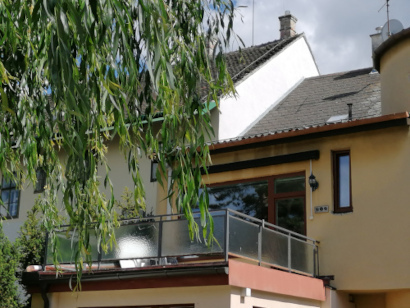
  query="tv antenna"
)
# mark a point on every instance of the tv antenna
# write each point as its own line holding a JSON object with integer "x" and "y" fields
{"x": 388, "y": 18}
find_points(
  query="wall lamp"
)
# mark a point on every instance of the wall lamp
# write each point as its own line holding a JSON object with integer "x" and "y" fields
{"x": 312, "y": 182}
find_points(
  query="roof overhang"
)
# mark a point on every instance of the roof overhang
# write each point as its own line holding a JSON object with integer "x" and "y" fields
{"x": 232, "y": 273}
{"x": 392, "y": 41}
{"x": 385, "y": 121}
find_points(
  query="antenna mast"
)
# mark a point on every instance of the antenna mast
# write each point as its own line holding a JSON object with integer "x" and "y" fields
{"x": 253, "y": 22}
{"x": 388, "y": 17}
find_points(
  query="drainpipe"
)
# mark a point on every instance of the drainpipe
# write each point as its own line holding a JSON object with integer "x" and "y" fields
{"x": 311, "y": 193}
{"x": 44, "y": 288}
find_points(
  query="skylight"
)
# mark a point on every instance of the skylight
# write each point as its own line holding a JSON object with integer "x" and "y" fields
{"x": 337, "y": 118}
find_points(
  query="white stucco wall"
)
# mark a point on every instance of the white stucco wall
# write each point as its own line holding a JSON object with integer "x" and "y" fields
{"x": 264, "y": 88}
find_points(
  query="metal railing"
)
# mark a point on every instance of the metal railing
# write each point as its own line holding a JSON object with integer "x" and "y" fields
{"x": 166, "y": 236}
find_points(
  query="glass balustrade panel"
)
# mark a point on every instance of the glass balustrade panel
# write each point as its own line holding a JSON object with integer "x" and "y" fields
{"x": 274, "y": 248}
{"x": 176, "y": 240}
{"x": 243, "y": 238}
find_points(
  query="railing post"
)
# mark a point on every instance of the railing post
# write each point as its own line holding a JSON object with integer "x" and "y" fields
{"x": 160, "y": 238}
{"x": 261, "y": 226}
{"x": 316, "y": 260}
{"x": 289, "y": 253}
{"x": 226, "y": 235}
{"x": 45, "y": 252}
{"x": 99, "y": 257}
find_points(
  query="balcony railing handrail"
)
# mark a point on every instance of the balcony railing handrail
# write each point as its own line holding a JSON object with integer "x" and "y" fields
{"x": 247, "y": 217}
{"x": 290, "y": 232}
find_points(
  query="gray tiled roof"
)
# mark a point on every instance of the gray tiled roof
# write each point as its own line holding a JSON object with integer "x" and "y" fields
{"x": 316, "y": 99}
{"x": 242, "y": 62}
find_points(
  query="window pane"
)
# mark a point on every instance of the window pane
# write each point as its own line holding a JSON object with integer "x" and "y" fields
{"x": 250, "y": 198}
{"x": 41, "y": 180}
{"x": 290, "y": 214}
{"x": 291, "y": 184}
{"x": 5, "y": 197}
{"x": 5, "y": 183}
{"x": 344, "y": 181}
{"x": 14, "y": 196}
{"x": 13, "y": 209}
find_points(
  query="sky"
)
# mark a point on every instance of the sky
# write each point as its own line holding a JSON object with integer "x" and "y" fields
{"x": 337, "y": 31}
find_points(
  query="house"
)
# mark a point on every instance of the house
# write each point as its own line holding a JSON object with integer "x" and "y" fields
{"x": 262, "y": 75}
{"x": 330, "y": 162}
{"x": 348, "y": 135}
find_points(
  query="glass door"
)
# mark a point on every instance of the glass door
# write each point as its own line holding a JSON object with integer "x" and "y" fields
{"x": 289, "y": 203}
{"x": 290, "y": 214}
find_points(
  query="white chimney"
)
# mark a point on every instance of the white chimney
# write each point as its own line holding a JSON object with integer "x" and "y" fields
{"x": 376, "y": 39}
{"x": 287, "y": 25}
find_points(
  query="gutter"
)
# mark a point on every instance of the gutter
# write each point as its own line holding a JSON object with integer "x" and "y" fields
{"x": 42, "y": 281}
{"x": 262, "y": 140}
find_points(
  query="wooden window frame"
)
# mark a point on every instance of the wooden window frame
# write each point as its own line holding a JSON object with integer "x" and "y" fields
{"x": 336, "y": 172}
{"x": 272, "y": 196}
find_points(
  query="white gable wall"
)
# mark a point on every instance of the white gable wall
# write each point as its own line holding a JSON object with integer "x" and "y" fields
{"x": 264, "y": 88}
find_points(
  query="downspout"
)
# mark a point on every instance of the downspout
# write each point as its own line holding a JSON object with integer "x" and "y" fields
{"x": 44, "y": 288}
{"x": 311, "y": 193}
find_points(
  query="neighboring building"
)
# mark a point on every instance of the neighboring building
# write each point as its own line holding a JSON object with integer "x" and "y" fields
{"x": 262, "y": 75}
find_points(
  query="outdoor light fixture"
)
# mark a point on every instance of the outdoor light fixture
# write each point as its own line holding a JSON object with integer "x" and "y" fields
{"x": 312, "y": 182}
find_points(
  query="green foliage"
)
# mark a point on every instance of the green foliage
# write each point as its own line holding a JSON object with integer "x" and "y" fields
{"x": 31, "y": 238}
{"x": 126, "y": 206}
{"x": 9, "y": 260}
{"x": 108, "y": 64}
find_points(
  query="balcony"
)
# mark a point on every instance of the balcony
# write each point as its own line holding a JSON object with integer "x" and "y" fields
{"x": 163, "y": 241}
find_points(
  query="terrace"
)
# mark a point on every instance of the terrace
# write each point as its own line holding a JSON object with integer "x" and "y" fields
{"x": 161, "y": 242}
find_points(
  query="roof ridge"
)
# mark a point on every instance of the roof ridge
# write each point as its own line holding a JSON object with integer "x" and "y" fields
{"x": 339, "y": 73}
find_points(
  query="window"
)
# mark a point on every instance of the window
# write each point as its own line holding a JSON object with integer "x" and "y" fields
{"x": 154, "y": 168}
{"x": 10, "y": 195}
{"x": 41, "y": 180}
{"x": 342, "y": 182}
{"x": 276, "y": 199}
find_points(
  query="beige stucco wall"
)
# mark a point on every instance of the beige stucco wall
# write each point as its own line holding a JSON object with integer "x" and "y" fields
{"x": 201, "y": 297}
{"x": 398, "y": 299}
{"x": 365, "y": 249}
{"x": 395, "y": 78}
{"x": 119, "y": 175}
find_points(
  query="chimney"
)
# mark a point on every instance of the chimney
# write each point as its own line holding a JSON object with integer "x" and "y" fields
{"x": 376, "y": 39}
{"x": 287, "y": 25}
